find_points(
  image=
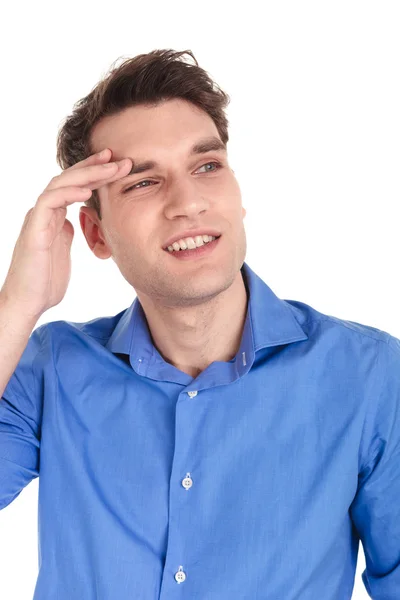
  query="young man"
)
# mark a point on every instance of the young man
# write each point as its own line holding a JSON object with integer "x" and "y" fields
{"x": 211, "y": 440}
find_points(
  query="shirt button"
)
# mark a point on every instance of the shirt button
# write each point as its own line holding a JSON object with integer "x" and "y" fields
{"x": 192, "y": 394}
{"x": 187, "y": 482}
{"x": 180, "y": 575}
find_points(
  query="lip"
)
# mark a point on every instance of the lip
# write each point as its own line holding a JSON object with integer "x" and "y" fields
{"x": 191, "y": 233}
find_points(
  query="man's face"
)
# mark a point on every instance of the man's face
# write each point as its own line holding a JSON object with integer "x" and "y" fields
{"x": 180, "y": 193}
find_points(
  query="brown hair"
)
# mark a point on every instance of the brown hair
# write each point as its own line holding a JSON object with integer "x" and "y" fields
{"x": 146, "y": 79}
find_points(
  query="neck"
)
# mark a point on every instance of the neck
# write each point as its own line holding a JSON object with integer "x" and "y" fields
{"x": 191, "y": 338}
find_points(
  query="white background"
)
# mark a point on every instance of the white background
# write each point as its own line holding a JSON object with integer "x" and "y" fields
{"x": 314, "y": 142}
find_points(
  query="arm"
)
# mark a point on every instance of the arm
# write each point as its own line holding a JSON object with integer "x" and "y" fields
{"x": 375, "y": 510}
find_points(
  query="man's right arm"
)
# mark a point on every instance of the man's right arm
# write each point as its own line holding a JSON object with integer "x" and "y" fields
{"x": 37, "y": 279}
{"x": 14, "y": 336}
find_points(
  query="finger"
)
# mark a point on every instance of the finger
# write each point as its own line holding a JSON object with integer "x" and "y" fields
{"x": 97, "y": 158}
{"x": 92, "y": 176}
{"x": 123, "y": 171}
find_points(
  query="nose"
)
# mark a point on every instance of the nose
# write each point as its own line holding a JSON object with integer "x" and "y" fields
{"x": 185, "y": 200}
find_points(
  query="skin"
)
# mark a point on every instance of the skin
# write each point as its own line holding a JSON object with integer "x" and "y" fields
{"x": 195, "y": 309}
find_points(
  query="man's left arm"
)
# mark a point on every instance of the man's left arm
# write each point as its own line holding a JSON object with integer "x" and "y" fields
{"x": 375, "y": 510}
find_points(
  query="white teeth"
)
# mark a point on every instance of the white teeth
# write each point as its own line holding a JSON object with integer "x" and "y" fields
{"x": 199, "y": 240}
{"x": 190, "y": 243}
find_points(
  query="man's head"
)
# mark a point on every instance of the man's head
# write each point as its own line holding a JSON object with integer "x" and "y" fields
{"x": 157, "y": 108}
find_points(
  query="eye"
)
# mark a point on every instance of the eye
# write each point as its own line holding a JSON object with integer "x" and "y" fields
{"x": 135, "y": 185}
{"x": 218, "y": 165}
{"x": 138, "y": 184}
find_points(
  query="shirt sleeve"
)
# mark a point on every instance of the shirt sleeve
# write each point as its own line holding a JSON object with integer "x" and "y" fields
{"x": 20, "y": 424}
{"x": 375, "y": 510}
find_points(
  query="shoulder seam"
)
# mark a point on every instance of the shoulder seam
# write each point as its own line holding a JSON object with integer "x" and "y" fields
{"x": 341, "y": 322}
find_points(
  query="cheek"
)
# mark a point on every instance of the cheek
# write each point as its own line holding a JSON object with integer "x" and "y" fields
{"x": 233, "y": 192}
{"x": 133, "y": 234}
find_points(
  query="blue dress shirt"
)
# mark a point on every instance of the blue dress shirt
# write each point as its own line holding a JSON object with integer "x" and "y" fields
{"x": 255, "y": 480}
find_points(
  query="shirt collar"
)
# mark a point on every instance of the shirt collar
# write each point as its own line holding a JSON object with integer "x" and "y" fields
{"x": 270, "y": 321}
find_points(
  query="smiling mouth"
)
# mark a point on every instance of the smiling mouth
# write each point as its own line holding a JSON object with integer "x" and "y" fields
{"x": 215, "y": 237}
{"x": 195, "y": 253}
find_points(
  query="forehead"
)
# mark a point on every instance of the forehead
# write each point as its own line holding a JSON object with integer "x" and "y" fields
{"x": 173, "y": 125}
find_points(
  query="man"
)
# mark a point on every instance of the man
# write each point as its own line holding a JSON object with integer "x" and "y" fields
{"x": 211, "y": 441}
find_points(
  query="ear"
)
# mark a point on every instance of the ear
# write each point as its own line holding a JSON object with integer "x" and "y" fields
{"x": 91, "y": 227}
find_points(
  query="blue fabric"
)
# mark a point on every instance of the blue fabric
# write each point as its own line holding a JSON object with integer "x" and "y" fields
{"x": 253, "y": 481}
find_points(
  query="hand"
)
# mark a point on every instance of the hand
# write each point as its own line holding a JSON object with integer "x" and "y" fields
{"x": 40, "y": 268}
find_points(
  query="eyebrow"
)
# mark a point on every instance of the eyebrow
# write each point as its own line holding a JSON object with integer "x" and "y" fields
{"x": 201, "y": 147}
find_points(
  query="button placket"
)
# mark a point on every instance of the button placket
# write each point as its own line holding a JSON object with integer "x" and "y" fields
{"x": 187, "y": 483}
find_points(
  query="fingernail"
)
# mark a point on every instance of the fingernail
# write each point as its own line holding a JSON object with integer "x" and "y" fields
{"x": 102, "y": 153}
